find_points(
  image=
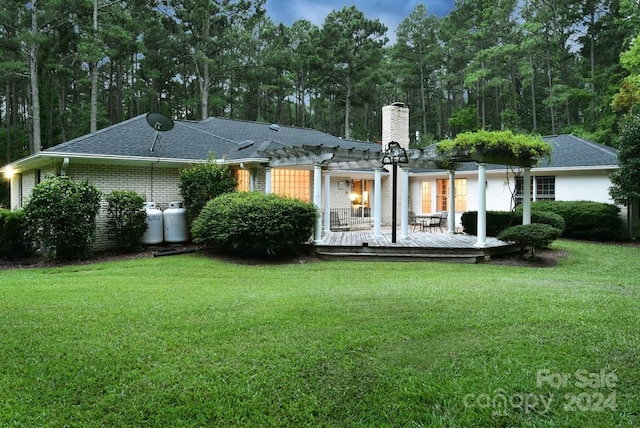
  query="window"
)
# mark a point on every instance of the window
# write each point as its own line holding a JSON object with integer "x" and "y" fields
{"x": 442, "y": 196}
{"x": 295, "y": 183}
{"x": 519, "y": 196}
{"x": 426, "y": 196}
{"x": 360, "y": 191}
{"x": 545, "y": 188}
{"x": 243, "y": 178}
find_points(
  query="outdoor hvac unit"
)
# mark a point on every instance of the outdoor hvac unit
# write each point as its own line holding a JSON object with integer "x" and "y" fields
{"x": 153, "y": 234}
{"x": 175, "y": 223}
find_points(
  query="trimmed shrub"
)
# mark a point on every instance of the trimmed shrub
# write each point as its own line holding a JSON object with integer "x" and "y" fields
{"x": 126, "y": 218}
{"x": 12, "y": 237}
{"x": 203, "y": 182}
{"x": 255, "y": 224}
{"x": 530, "y": 235}
{"x": 497, "y": 221}
{"x": 594, "y": 221}
{"x": 60, "y": 218}
{"x": 546, "y": 217}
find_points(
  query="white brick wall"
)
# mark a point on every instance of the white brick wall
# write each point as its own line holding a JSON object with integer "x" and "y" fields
{"x": 395, "y": 125}
{"x": 154, "y": 184}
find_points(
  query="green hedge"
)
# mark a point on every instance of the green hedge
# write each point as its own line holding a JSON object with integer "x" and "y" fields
{"x": 201, "y": 183}
{"x": 126, "y": 218}
{"x": 13, "y": 243}
{"x": 255, "y": 224}
{"x": 594, "y": 221}
{"x": 497, "y": 221}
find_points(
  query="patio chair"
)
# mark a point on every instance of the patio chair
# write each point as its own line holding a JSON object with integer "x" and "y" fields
{"x": 336, "y": 223}
{"x": 413, "y": 221}
{"x": 442, "y": 222}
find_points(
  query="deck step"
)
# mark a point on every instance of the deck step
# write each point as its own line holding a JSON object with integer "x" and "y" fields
{"x": 400, "y": 256}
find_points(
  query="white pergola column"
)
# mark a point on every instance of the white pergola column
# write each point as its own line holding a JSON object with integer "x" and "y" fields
{"x": 526, "y": 196}
{"x": 267, "y": 180}
{"x": 404, "y": 204}
{"x": 377, "y": 202}
{"x": 451, "y": 219}
{"x": 482, "y": 206}
{"x": 252, "y": 180}
{"x": 317, "y": 201}
{"x": 327, "y": 201}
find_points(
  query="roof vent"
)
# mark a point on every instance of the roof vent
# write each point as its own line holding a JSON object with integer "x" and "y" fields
{"x": 244, "y": 144}
{"x": 274, "y": 127}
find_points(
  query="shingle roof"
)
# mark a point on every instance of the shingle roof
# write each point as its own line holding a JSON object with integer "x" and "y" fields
{"x": 572, "y": 151}
{"x": 225, "y": 138}
{"x": 244, "y": 140}
{"x": 568, "y": 151}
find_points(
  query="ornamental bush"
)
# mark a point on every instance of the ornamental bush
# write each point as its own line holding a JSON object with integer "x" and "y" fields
{"x": 530, "y": 235}
{"x": 203, "y": 182}
{"x": 60, "y": 218}
{"x": 126, "y": 218}
{"x": 497, "y": 221}
{"x": 12, "y": 238}
{"x": 255, "y": 224}
{"x": 594, "y": 221}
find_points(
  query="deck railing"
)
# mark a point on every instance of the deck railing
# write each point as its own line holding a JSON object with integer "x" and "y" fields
{"x": 350, "y": 218}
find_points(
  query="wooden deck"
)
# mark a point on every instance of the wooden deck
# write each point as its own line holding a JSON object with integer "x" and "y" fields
{"x": 418, "y": 246}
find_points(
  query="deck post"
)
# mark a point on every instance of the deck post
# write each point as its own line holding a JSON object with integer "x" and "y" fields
{"x": 404, "y": 204}
{"x": 377, "y": 202}
{"x": 327, "y": 201}
{"x": 317, "y": 201}
{"x": 451, "y": 218}
{"x": 526, "y": 196}
{"x": 482, "y": 206}
{"x": 267, "y": 180}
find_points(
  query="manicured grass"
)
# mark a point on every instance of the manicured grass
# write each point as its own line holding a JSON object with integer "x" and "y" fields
{"x": 190, "y": 341}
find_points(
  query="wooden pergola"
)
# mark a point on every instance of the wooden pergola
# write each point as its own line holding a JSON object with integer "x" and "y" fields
{"x": 330, "y": 158}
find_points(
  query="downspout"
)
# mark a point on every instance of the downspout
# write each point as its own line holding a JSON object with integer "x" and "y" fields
{"x": 63, "y": 168}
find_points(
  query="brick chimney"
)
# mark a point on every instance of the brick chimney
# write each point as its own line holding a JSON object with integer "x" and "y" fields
{"x": 395, "y": 124}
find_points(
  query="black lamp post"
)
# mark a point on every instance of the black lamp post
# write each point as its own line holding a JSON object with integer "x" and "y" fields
{"x": 394, "y": 155}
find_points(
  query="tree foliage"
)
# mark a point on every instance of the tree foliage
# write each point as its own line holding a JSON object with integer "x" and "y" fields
{"x": 536, "y": 67}
{"x": 626, "y": 180}
{"x": 203, "y": 182}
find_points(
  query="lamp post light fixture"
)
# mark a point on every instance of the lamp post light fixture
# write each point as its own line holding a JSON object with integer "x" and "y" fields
{"x": 394, "y": 155}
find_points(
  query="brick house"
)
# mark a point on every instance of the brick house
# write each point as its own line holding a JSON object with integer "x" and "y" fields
{"x": 338, "y": 175}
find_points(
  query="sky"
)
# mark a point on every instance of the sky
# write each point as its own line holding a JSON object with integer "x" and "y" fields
{"x": 389, "y": 12}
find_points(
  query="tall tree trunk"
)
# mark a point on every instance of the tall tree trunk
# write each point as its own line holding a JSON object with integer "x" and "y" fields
{"x": 347, "y": 111}
{"x": 36, "y": 141}
{"x": 423, "y": 100}
{"x": 552, "y": 110}
{"x": 8, "y": 120}
{"x": 93, "y": 70}
{"x": 534, "y": 106}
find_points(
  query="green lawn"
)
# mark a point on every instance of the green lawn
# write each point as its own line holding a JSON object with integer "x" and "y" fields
{"x": 190, "y": 341}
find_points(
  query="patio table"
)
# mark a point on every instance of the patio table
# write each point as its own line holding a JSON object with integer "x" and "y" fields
{"x": 425, "y": 220}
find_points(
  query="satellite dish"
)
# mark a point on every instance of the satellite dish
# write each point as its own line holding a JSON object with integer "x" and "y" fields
{"x": 159, "y": 122}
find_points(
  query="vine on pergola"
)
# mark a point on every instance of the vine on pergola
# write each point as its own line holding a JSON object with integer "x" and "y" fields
{"x": 496, "y": 147}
